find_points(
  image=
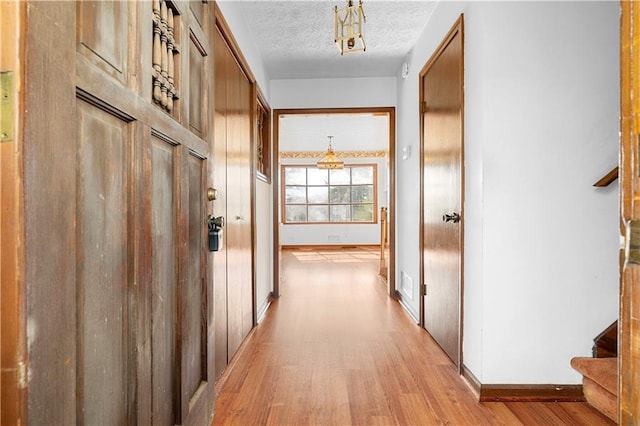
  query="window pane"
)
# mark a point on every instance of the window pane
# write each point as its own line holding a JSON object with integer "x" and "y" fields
{"x": 340, "y": 177}
{"x": 317, "y": 176}
{"x": 341, "y": 213}
{"x": 296, "y": 213}
{"x": 313, "y": 195}
{"x": 318, "y": 195}
{"x": 362, "y": 213}
{"x": 339, "y": 194}
{"x": 295, "y": 176}
{"x": 362, "y": 175}
{"x": 318, "y": 214}
{"x": 295, "y": 195}
{"x": 362, "y": 194}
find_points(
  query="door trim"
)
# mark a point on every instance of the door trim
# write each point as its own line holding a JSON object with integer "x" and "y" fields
{"x": 457, "y": 28}
{"x": 275, "y": 179}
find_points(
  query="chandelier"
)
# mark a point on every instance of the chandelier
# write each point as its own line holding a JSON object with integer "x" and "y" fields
{"x": 348, "y": 25}
{"x": 330, "y": 159}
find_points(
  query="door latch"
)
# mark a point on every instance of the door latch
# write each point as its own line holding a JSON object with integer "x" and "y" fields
{"x": 215, "y": 225}
{"x": 453, "y": 217}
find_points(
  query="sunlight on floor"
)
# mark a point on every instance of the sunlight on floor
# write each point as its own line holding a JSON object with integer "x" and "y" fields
{"x": 337, "y": 255}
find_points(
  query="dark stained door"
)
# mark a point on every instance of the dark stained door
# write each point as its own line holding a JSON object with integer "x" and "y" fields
{"x": 232, "y": 176}
{"x": 119, "y": 279}
{"x": 442, "y": 142}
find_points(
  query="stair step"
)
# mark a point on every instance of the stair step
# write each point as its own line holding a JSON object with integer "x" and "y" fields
{"x": 600, "y": 383}
{"x": 603, "y": 371}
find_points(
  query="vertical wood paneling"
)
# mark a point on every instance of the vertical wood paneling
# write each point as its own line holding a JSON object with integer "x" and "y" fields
{"x": 103, "y": 34}
{"x": 50, "y": 219}
{"x": 194, "y": 293}
{"x": 234, "y": 114}
{"x": 234, "y": 208}
{"x": 113, "y": 251}
{"x": 12, "y": 328}
{"x": 102, "y": 267}
{"x": 198, "y": 9}
{"x": 196, "y": 63}
{"x": 219, "y": 206}
{"x": 163, "y": 284}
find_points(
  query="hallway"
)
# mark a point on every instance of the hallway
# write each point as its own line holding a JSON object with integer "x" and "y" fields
{"x": 335, "y": 350}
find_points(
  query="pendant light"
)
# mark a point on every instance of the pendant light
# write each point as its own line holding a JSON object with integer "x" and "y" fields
{"x": 348, "y": 24}
{"x": 330, "y": 159}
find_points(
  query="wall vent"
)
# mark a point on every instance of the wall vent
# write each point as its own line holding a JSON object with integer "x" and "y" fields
{"x": 406, "y": 284}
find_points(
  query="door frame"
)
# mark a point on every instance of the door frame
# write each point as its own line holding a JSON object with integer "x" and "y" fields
{"x": 457, "y": 28}
{"x": 275, "y": 179}
{"x": 629, "y": 327}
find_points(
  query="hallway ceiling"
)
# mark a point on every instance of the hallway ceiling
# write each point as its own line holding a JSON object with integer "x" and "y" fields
{"x": 295, "y": 37}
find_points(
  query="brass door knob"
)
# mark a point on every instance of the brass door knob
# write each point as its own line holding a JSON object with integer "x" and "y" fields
{"x": 212, "y": 194}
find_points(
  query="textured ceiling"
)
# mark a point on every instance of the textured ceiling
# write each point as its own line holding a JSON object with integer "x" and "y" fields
{"x": 295, "y": 38}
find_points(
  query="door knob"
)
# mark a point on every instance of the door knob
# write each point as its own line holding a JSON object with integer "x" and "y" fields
{"x": 453, "y": 217}
{"x": 212, "y": 194}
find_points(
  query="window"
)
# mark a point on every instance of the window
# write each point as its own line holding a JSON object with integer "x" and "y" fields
{"x": 263, "y": 151}
{"x": 312, "y": 195}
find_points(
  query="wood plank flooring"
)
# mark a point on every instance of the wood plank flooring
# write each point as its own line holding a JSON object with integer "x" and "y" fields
{"x": 335, "y": 350}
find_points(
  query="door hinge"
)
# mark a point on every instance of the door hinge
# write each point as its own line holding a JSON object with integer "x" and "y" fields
{"x": 423, "y": 290}
{"x": 632, "y": 242}
{"x": 423, "y": 107}
{"x": 6, "y": 106}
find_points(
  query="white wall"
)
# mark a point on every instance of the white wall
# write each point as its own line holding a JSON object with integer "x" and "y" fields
{"x": 541, "y": 244}
{"x": 333, "y": 93}
{"x": 264, "y": 247}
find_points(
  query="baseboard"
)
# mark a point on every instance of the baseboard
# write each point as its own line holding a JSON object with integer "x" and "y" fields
{"x": 531, "y": 393}
{"x": 406, "y": 307}
{"x": 262, "y": 311}
{"x": 521, "y": 393}
{"x": 471, "y": 380}
{"x": 224, "y": 377}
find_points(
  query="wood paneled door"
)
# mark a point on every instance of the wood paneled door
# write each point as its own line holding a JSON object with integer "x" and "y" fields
{"x": 441, "y": 95}
{"x": 117, "y": 290}
{"x": 233, "y": 179}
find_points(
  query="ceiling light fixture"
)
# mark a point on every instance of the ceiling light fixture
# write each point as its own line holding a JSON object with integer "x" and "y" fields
{"x": 330, "y": 159}
{"x": 348, "y": 24}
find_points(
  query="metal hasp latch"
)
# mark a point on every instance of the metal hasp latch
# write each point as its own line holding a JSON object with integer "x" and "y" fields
{"x": 632, "y": 249}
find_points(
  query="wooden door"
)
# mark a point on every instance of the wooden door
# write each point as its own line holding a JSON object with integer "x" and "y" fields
{"x": 222, "y": 55}
{"x": 233, "y": 276}
{"x": 116, "y": 142}
{"x": 442, "y": 183}
{"x": 629, "y": 322}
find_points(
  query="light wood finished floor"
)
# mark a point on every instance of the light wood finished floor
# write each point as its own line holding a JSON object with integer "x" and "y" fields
{"x": 335, "y": 350}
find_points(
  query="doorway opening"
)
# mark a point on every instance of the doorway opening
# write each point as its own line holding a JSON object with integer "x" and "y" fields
{"x": 333, "y": 208}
